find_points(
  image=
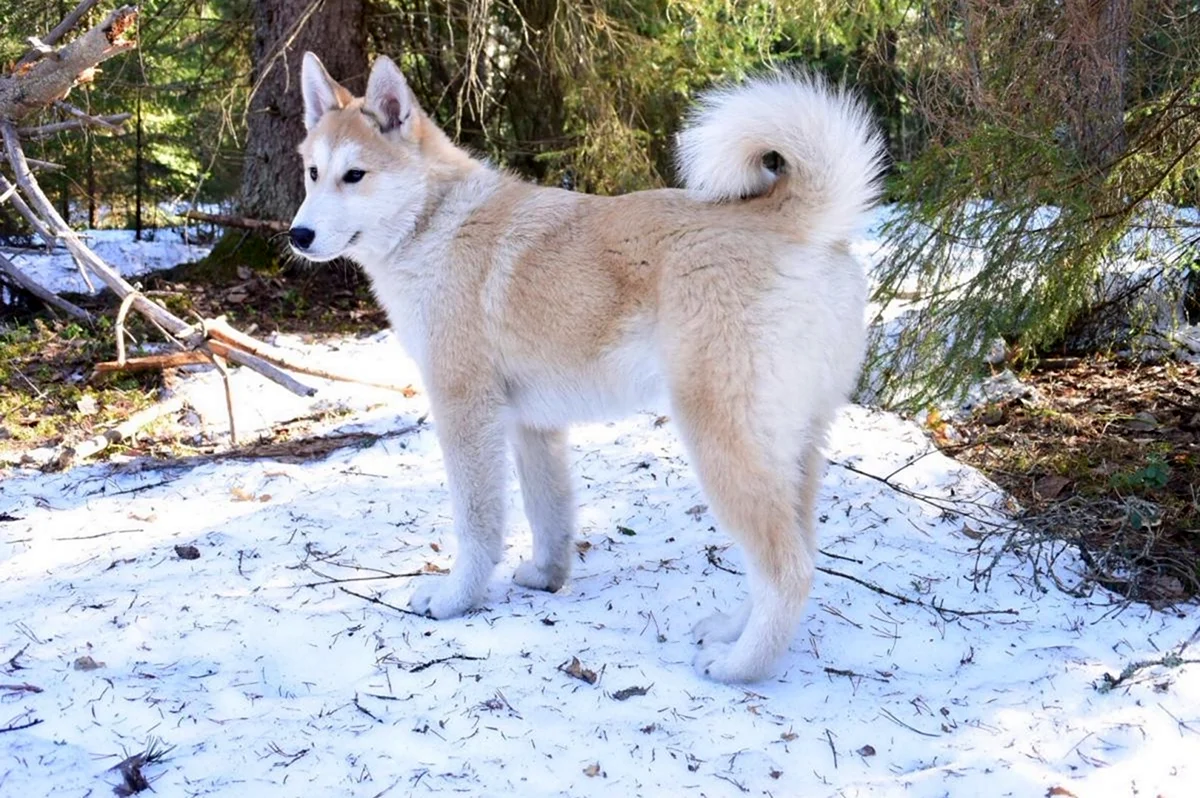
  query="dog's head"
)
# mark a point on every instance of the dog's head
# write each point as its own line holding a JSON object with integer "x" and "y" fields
{"x": 368, "y": 162}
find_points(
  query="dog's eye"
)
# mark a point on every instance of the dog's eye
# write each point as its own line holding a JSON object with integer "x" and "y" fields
{"x": 312, "y": 172}
{"x": 353, "y": 176}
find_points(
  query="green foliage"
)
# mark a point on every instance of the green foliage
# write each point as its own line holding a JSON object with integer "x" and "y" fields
{"x": 1030, "y": 185}
{"x": 1154, "y": 475}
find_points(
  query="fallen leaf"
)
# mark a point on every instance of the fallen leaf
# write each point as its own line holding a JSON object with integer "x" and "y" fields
{"x": 630, "y": 692}
{"x": 867, "y": 750}
{"x": 788, "y": 736}
{"x": 433, "y": 568}
{"x": 575, "y": 670}
{"x": 624, "y": 530}
{"x": 187, "y": 552}
{"x": 592, "y": 770}
{"x": 87, "y": 405}
{"x": 697, "y": 511}
{"x": 1063, "y": 791}
{"x": 86, "y": 663}
{"x": 240, "y": 495}
{"x": 1049, "y": 486}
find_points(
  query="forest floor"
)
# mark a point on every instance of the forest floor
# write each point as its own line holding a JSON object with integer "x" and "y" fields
{"x": 229, "y": 616}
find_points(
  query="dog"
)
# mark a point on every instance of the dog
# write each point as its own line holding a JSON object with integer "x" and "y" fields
{"x": 529, "y": 308}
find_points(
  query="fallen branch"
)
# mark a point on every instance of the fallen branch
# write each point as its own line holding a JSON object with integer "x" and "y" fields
{"x": 853, "y": 674}
{"x": 241, "y": 222}
{"x": 219, "y": 329}
{"x": 126, "y": 429}
{"x": 382, "y": 603}
{"x": 440, "y": 660}
{"x": 18, "y": 278}
{"x": 940, "y": 610}
{"x": 262, "y": 366}
{"x": 18, "y": 727}
{"x": 9, "y": 192}
{"x": 173, "y": 360}
{"x": 1107, "y": 682}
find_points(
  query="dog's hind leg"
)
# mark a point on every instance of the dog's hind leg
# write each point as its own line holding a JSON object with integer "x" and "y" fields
{"x": 471, "y": 435}
{"x": 725, "y": 628}
{"x": 751, "y": 476}
{"x": 541, "y": 457}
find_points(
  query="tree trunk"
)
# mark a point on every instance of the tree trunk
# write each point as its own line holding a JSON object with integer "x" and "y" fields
{"x": 1097, "y": 33}
{"x": 272, "y": 179}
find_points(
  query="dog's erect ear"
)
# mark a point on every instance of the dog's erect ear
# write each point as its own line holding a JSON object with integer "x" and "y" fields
{"x": 389, "y": 99}
{"x": 321, "y": 92}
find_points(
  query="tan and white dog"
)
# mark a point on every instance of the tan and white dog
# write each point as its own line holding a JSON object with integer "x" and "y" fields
{"x": 530, "y": 308}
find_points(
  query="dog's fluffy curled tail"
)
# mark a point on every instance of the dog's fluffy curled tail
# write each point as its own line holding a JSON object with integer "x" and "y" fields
{"x": 790, "y": 127}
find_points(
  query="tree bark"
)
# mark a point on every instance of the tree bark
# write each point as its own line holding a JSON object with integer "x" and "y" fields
{"x": 272, "y": 179}
{"x": 1097, "y": 33}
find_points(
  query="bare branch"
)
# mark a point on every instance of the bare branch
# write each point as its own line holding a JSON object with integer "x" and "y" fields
{"x": 111, "y": 122}
{"x": 270, "y": 225}
{"x": 127, "y": 428}
{"x": 19, "y": 278}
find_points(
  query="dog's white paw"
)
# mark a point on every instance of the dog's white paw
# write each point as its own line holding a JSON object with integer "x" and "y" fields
{"x": 530, "y": 576}
{"x": 718, "y": 628}
{"x": 444, "y": 598}
{"x": 718, "y": 661}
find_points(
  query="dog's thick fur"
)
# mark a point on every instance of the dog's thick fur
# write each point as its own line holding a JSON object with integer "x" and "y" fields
{"x": 530, "y": 308}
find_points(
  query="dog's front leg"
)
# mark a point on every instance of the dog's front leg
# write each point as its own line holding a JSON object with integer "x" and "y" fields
{"x": 472, "y": 440}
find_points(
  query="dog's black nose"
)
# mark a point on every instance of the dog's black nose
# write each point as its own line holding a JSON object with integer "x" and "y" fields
{"x": 302, "y": 237}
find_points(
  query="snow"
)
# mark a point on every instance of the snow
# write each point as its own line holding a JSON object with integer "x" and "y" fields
{"x": 266, "y": 677}
{"x": 159, "y": 249}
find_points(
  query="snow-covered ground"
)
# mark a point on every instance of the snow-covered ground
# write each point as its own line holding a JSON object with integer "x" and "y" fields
{"x": 266, "y": 674}
{"x": 268, "y": 668}
{"x": 159, "y": 249}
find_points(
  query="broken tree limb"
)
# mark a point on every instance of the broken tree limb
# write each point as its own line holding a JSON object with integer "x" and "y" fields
{"x": 83, "y": 255}
{"x": 9, "y": 192}
{"x": 11, "y": 272}
{"x": 50, "y": 79}
{"x": 261, "y": 365}
{"x": 242, "y": 222}
{"x": 172, "y": 360}
{"x": 219, "y": 329}
{"x": 50, "y": 39}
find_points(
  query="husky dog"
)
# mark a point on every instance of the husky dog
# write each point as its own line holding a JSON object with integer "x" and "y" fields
{"x": 529, "y": 308}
